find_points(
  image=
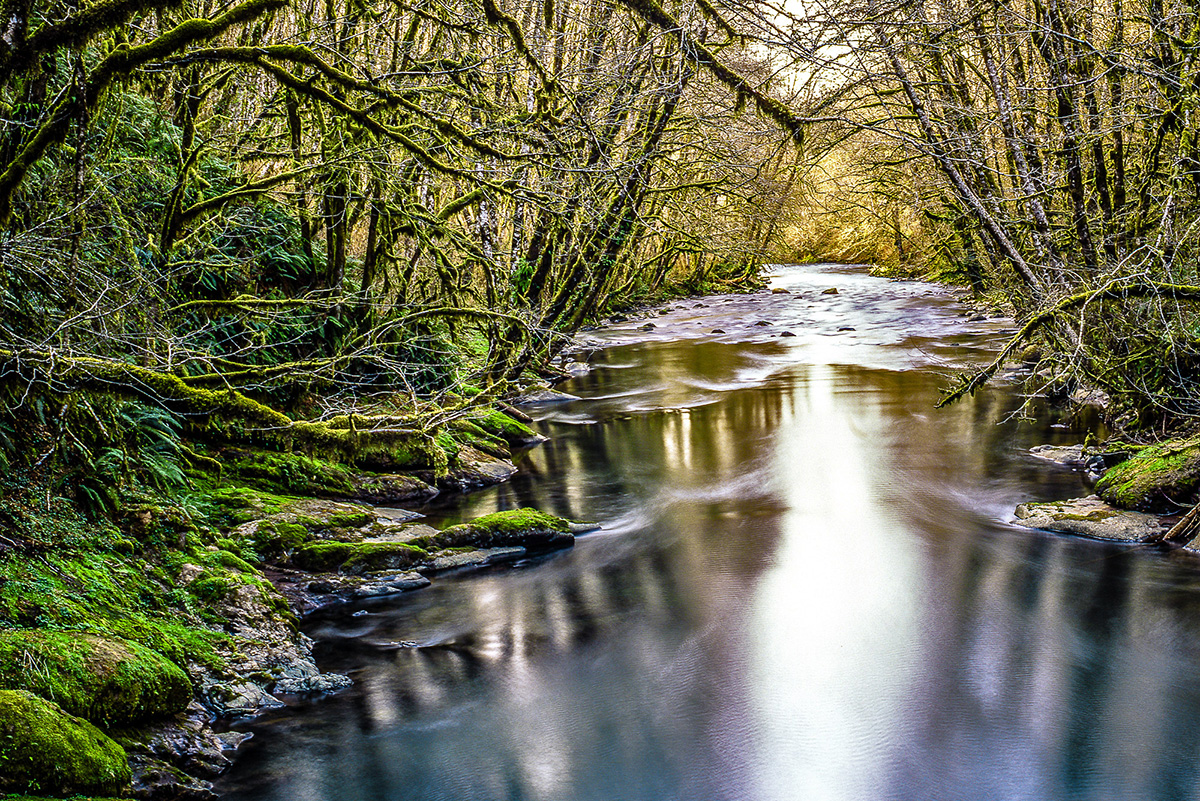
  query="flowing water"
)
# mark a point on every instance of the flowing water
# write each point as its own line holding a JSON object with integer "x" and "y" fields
{"x": 806, "y": 587}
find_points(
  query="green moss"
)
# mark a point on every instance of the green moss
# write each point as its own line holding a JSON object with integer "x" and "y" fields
{"x": 108, "y": 682}
{"x": 508, "y": 428}
{"x": 212, "y": 588}
{"x": 1158, "y": 478}
{"x": 350, "y": 519}
{"x": 369, "y": 557}
{"x": 286, "y": 473}
{"x": 322, "y": 557}
{"x": 1098, "y": 516}
{"x": 107, "y": 594}
{"x": 357, "y": 558}
{"x": 45, "y": 750}
{"x": 274, "y": 538}
{"x": 468, "y": 433}
{"x": 525, "y": 527}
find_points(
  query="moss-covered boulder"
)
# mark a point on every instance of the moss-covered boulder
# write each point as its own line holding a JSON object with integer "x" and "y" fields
{"x": 357, "y": 558}
{"x": 506, "y": 427}
{"x": 109, "y": 682}
{"x": 299, "y": 474}
{"x": 45, "y": 750}
{"x": 528, "y": 528}
{"x": 1159, "y": 478}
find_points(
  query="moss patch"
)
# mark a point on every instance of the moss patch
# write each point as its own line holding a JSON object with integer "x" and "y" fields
{"x": 357, "y": 558}
{"x": 525, "y": 527}
{"x": 508, "y": 428}
{"x": 107, "y": 594}
{"x": 108, "y": 682}
{"x": 1159, "y": 478}
{"x": 45, "y": 750}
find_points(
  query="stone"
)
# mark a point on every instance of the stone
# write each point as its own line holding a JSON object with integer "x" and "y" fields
{"x": 232, "y": 740}
{"x": 1158, "y": 478}
{"x": 787, "y": 334}
{"x": 479, "y": 558}
{"x": 185, "y": 742}
{"x": 780, "y": 291}
{"x": 44, "y": 750}
{"x": 1091, "y": 517}
{"x": 831, "y": 291}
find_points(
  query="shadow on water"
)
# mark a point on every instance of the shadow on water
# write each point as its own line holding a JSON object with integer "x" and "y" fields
{"x": 806, "y": 587}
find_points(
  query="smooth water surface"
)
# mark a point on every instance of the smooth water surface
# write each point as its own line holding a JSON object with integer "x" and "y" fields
{"x": 806, "y": 588}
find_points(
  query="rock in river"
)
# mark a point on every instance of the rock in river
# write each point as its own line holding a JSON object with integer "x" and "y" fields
{"x": 1091, "y": 517}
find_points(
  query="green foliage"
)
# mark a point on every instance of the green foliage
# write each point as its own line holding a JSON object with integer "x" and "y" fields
{"x": 45, "y": 750}
{"x": 286, "y": 473}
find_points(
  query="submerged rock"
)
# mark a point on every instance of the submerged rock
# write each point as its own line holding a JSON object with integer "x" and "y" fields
{"x": 486, "y": 556}
{"x": 1091, "y": 517}
{"x": 1077, "y": 456}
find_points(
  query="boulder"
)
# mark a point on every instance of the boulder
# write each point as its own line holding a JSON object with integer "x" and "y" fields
{"x": 109, "y": 682}
{"x": 527, "y": 528}
{"x": 45, "y": 750}
{"x": 1159, "y": 478}
{"x": 1091, "y": 517}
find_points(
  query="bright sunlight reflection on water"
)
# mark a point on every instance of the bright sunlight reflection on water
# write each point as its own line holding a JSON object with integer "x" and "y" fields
{"x": 807, "y": 587}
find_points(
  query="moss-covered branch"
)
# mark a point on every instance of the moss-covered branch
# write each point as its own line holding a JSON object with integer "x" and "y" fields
{"x": 1115, "y": 291}
{"x": 123, "y": 60}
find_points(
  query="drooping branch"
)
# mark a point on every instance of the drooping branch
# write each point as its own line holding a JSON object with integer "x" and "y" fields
{"x": 1113, "y": 291}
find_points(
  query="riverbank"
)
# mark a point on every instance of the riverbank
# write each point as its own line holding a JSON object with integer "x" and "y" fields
{"x": 123, "y": 641}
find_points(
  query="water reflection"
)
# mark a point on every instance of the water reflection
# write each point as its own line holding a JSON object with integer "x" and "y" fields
{"x": 804, "y": 589}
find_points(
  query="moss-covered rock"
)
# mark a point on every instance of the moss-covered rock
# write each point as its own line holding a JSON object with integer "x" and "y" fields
{"x": 528, "y": 528}
{"x": 1159, "y": 478}
{"x": 506, "y": 427}
{"x": 45, "y": 750}
{"x": 322, "y": 557}
{"x": 109, "y": 682}
{"x": 357, "y": 558}
{"x": 285, "y": 473}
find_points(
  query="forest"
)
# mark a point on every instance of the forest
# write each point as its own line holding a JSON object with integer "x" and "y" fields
{"x": 313, "y": 245}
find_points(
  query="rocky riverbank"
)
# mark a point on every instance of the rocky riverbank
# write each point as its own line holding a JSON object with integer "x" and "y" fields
{"x": 121, "y": 642}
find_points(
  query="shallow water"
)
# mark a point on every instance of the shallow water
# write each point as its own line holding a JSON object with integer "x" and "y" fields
{"x": 807, "y": 587}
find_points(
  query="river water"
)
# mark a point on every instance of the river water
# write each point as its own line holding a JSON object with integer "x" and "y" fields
{"x": 806, "y": 587}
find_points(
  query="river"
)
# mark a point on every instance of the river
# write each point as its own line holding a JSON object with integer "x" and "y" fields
{"x": 807, "y": 586}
